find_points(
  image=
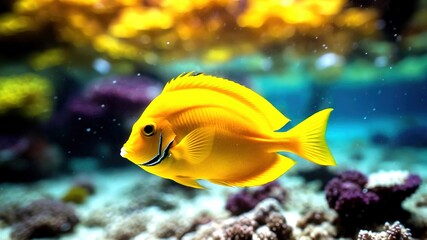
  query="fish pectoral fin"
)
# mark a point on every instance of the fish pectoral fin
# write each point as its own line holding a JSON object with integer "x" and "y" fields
{"x": 189, "y": 182}
{"x": 196, "y": 146}
{"x": 280, "y": 165}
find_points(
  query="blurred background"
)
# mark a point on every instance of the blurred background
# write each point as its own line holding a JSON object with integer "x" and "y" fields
{"x": 75, "y": 74}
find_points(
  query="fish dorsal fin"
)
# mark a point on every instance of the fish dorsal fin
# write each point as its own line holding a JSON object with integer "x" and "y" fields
{"x": 195, "y": 146}
{"x": 280, "y": 165}
{"x": 273, "y": 117}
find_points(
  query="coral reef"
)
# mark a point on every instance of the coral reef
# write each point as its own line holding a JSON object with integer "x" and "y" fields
{"x": 27, "y": 96}
{"x": 316, "y": 225}
{"x": 265, "y": 221}
{"x": 44, "y": 218}
{"x": 217, "y": 31}
{"x": 363, "y": 202}
{"x": 395, "y": 231}
{"x": 127, "y": 227}
{"x": 247, "y": 199}
{"x": 180, "y": 29}
{"x": 99, "y": 117}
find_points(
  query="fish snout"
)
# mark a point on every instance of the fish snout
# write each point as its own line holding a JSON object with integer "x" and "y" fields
{"x": 123, "y": 152}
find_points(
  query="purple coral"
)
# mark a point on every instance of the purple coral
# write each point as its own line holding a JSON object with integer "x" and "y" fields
{"x": 361, "y": 201}
{"x": 115, "y": 96}
{"x": 44, "y": 218}
{"x": 246, "y": 199}
{"x": 97, "y": 122}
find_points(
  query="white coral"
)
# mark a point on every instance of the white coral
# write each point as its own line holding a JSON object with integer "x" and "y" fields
{"x": 387, "y": 179}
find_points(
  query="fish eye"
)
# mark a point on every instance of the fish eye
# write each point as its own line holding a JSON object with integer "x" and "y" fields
{"x": 148, "y": 130}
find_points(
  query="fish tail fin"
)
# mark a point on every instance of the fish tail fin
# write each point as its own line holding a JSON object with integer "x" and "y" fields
{"x": 307, "y": 139}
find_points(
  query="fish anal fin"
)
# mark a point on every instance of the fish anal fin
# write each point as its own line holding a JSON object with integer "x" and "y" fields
{"x": 195, "y": 146}
{"x": 189, "y": 182}
{"x": 281, "y": 164}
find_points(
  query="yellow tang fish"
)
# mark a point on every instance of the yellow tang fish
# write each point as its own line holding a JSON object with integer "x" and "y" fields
{"x": 205, "y": 127}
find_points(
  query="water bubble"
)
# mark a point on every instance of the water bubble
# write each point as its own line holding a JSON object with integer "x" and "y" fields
{"x": 88, "y": 129}
{"x": 114, "y": 81}
{"x": 101, "y": 65}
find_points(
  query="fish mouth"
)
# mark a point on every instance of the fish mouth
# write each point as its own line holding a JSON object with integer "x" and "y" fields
{"x": 123, "y": 152}
{"x": 160, "y": 154}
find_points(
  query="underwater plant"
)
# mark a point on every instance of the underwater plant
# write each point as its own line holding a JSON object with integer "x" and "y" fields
{"x": 363, "y": 202}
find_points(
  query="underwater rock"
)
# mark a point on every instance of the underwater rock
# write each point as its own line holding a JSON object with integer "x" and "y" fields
{"x": 395, "y": 231}
{"x": 363, "y": 202}
{"x": 44, "y": 218}
{"x": 247, "y": 199}
{"x": 265, "y": 221}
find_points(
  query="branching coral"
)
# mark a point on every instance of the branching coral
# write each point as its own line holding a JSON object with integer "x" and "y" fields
{"x": 395, "y": 231}
{"x": 265, "y": 221}
{"x": 316, "y": 225}
{"x": 27, "y": 95}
